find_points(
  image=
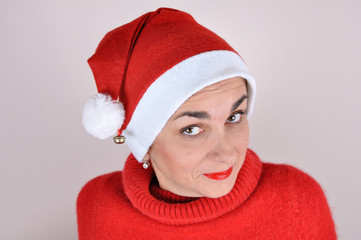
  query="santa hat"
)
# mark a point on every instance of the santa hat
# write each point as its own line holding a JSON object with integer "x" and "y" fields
{"x": 146, "y": 69}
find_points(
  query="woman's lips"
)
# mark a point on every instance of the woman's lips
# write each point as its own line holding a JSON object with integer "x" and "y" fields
{"x": 219, "y": 175}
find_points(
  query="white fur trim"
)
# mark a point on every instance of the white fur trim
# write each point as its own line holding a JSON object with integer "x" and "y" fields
{"x": 102, "y": 116}
{"x": 174, "y": 87}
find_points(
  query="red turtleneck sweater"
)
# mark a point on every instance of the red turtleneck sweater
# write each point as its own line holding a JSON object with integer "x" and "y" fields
{"x": 268, "y": 201}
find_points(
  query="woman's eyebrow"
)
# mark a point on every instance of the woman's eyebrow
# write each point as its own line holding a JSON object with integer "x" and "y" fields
{"x": 205, "y": 115}
{"x": 238, "y": 102}
{"x": 195, "y": 114}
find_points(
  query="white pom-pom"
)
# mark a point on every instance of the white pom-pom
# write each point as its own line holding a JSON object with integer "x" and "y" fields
{"x": 102, "y": 116}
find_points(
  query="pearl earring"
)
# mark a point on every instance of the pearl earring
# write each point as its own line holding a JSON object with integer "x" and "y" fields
{"x": 146, "y": 164}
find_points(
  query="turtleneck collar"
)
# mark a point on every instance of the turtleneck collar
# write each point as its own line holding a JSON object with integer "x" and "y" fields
{"x": 166, "y": 196}
{"x": 166, "y": 207}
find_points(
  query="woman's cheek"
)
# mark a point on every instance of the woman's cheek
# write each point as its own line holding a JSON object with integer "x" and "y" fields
{"x": 189, "y": 144}
{"x": 240, "y": 138}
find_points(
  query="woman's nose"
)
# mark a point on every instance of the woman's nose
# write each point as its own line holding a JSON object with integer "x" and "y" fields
{"x": 222, "y": 149}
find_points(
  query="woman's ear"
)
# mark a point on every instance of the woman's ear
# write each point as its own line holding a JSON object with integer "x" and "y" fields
{"x": 146, "y": 159}
{"x": 147, "y": 156}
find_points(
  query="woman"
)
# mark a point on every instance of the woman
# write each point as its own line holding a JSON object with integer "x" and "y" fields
{"x": 180, "y": 97}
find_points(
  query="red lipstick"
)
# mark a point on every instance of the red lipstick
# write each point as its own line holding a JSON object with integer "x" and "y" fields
{"x": 219, "y": 175}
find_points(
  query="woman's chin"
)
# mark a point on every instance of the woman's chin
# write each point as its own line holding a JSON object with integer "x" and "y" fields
{"x": 218, "y": 194}
{"x": 219, "y": 189}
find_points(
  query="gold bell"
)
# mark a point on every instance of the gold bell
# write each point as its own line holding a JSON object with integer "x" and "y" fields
{"x": 119, "y": 139}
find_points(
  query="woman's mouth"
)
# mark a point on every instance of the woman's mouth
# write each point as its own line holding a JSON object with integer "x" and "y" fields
{"x": 219, "y": 175}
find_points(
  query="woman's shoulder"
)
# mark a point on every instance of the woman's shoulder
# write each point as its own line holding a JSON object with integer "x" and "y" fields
{"x": 100, "y": 184}
{"x": 311, "y": 215}
{"x": 103, "y": 188}
{"x": 280, "y": 175}
{"x": 116, "y": 175}
{"x": 96, "y": 197}
{"x": 287, "y": 176}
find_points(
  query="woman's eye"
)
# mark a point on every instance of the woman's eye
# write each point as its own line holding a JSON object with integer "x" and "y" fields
{"x": 191, "y": 131}
{"x": 235, "y": 117}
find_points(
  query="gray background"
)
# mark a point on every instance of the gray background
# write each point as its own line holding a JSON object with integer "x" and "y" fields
{"x": 305, "y": 56}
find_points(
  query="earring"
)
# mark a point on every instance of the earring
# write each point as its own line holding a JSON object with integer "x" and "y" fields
{"x": 146, "y": 164}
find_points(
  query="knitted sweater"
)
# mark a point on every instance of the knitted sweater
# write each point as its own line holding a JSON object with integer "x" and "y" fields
{"x": 268, "y": 201}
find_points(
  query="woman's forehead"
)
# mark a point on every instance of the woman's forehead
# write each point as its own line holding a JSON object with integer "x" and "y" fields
{"x": 230, "y": 84}
{"x": 232, "y": 89}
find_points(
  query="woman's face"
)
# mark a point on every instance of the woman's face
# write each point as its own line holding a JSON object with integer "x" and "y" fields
{"x": 201, "y": 149}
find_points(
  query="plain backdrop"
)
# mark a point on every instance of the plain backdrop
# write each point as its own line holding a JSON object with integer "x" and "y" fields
{"x": 305, "y": 56}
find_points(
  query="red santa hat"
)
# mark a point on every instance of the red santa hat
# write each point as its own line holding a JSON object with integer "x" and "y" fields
{"x": 146, "y": 69}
